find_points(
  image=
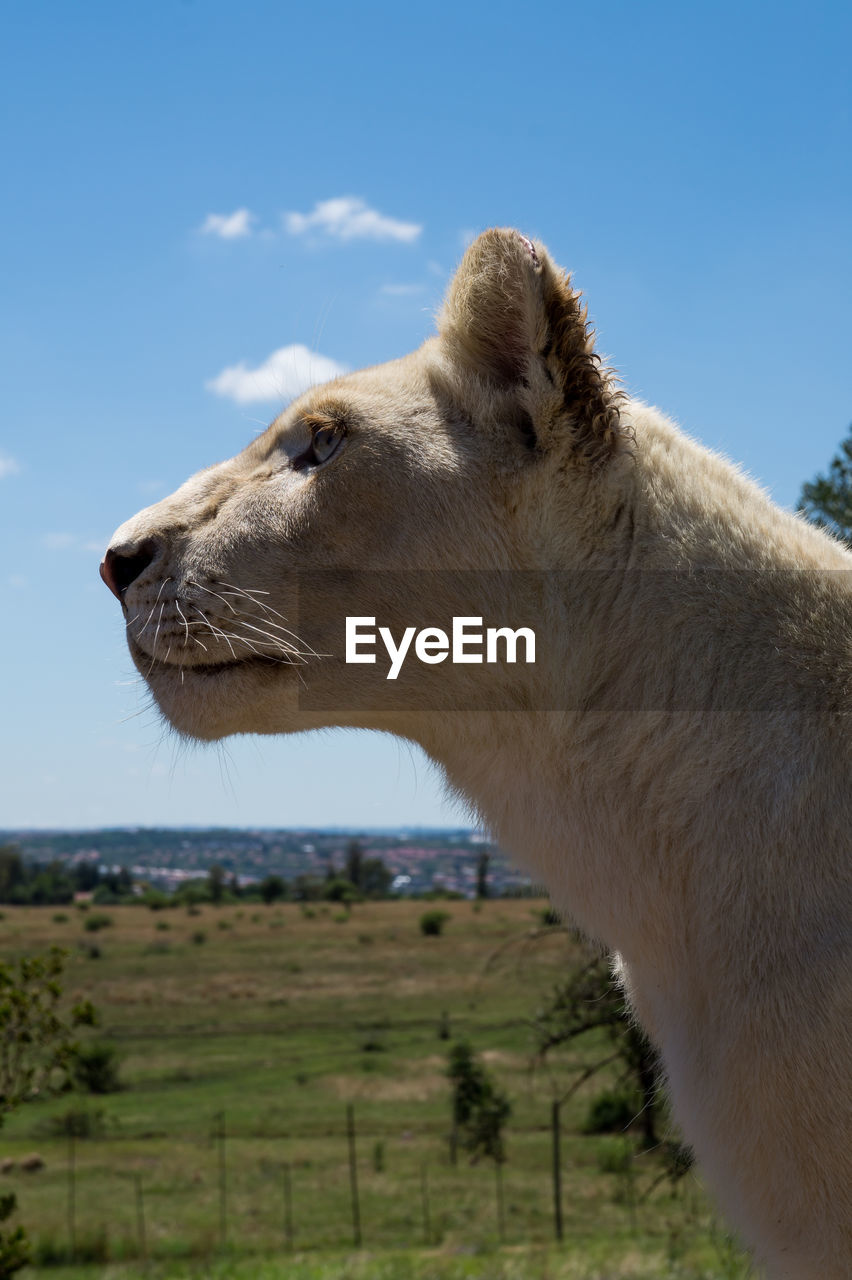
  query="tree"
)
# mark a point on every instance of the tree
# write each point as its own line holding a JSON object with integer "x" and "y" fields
{"x": 339, "y": 889}
{"x": 592, "y": 1000}
{"x": 376, "y": 879}
{"x": 11, "y": 870}
{"x": 216, "y": 883}
{"x": 480, "y": 1109}
{"x": 354, "y": 859}
{"x": 36, "y": 1052}
{"x": 271, "y": 889}
{"x": 482, "y": 874}
{"x": 827, "y": 499}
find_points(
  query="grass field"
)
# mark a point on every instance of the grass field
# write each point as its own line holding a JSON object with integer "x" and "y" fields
{"x": 272, "y": 1020}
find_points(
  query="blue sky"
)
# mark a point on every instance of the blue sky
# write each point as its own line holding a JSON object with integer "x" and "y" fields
{"x": 690, "y": 164}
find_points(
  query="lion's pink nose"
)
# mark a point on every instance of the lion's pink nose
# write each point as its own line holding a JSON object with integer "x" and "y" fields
{"x": 120, "y": 568}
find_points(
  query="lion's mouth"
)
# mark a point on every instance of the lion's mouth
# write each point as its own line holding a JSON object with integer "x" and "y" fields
{"x": 151, "y": 665}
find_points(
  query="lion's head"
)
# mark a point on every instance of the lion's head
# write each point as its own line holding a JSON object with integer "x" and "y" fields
{"x": 491, "y": 448}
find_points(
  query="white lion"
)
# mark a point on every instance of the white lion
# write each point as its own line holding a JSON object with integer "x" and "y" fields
{"x": 676, "y": 764}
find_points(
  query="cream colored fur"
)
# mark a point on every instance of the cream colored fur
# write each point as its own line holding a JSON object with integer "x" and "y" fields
{"x": 676, "y": 766}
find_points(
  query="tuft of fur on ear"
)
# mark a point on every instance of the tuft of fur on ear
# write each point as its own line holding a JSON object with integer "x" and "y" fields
{"x": 511, "y": 316}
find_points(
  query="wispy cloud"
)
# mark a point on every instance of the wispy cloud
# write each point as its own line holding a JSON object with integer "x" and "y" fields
{"x": 58, "y": 541}
{"x": 351, "y": 218}
{"x": 228, "y": 226}
{"x": 8, "y": 466}
{"x": 72, "y": 542}
{"x": 283, "y": 375}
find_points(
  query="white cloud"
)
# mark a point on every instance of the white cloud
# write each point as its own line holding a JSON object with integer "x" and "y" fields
{"x": 285, "y": 374}
{"x": 351, "y": 218}
{"x": 58, "y": 541}
{"x": 8, "y": 466}
{"x": 72, "y": 542}
{"x": 228, "y": 226}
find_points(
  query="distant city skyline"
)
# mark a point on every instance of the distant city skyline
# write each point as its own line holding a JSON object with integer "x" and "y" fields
{"x": 167, "y": 858}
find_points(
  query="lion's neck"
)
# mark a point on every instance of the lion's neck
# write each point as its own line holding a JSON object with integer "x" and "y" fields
{"x": 539, "y": 785}
{"x": 649, "y": 685}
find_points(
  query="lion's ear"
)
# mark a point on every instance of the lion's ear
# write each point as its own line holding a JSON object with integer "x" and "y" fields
{"x": 493, "y": 310}
{"x": 511, "y": 316}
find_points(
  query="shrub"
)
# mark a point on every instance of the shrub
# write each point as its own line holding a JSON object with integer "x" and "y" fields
{"x": 163, "y": 925}
{"x": 94, "y": 1067}
{"x": 615, "y": 1156}
{"x": 340, "y": 890}
{"x": 14, "y": 1246}
{"x": 60, "y": 917}
{"x": 432, "y": 923}
{"x": 103, "y": 896}
{"x": 100, "y": 920}
{"x": 199, "y": 936}
{"x": 52, "y": 1251}
{"x": 611, "y": 1112}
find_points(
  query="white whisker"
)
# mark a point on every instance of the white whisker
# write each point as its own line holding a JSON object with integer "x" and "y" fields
{"x": 239, "y": 591}
{"x": 156, "y": 636}
{"x": 193, "y": 583}
{"x": 244, "y": 590}
{"x": 159, "y": 593}
{"x": 215, "y": 630}
{"x": 180, "y": 611}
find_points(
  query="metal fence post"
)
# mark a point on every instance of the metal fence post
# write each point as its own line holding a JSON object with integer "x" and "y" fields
{"x": 557, "y": 1172}
{"x": 353, "y": 1175}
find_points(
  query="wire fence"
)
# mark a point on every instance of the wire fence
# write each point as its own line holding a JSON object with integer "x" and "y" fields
{"x": 109, "y": 1196}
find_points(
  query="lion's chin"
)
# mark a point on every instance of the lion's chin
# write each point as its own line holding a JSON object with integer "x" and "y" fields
{"x": 216, "y": 700}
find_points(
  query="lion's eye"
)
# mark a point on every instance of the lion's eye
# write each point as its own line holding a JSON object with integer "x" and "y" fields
{"x": 325, "y": 442}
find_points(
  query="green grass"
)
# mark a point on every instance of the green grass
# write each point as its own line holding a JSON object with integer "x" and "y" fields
{"x": 503, "y": 1264}
{"x": 275, "y": 1021}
